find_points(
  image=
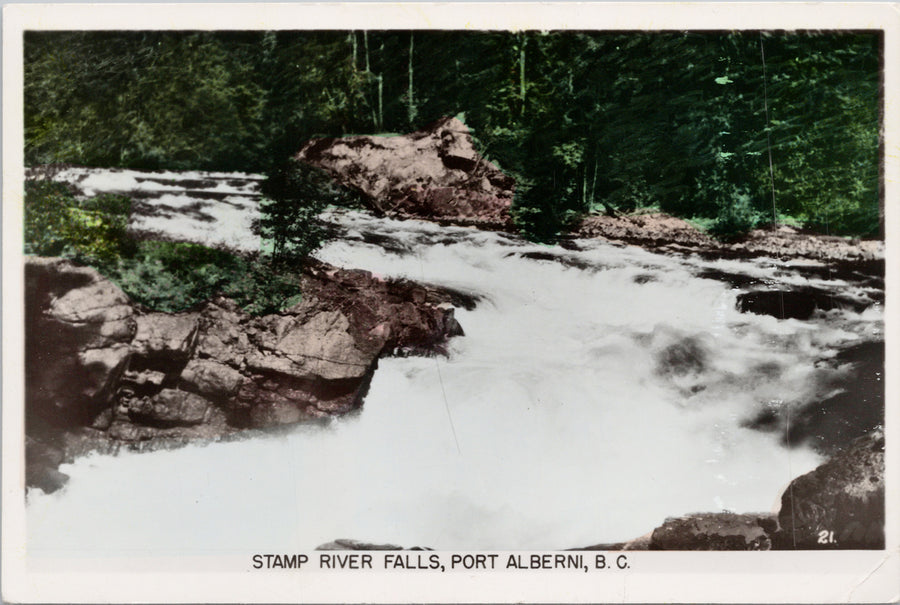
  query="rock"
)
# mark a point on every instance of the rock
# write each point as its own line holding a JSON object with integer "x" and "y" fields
{"x": 101, "y": 370}
{"x": 840, "y": 504}
{"x": 713, "y": 531}
{"x": 831, "y": 424}
{"x": 650, "y": 230}
{"x": 798, "y": 303}
{"x": 320, "y": 347}
{"x": 148, "y": 380}
{"x": 41, "y": 469}
{"x": 100, "y": 377}
{"x": 77, "y": 329}
{"x": 165, "y": 339}
{"x": 170, "y": 407}
{"x": 274, "y": 413}
{"x": 435, "y": 173}
{"x": 210, "y": 378}
{"x": 343, "y": 544}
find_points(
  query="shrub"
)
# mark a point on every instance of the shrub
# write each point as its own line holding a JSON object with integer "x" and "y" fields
{"x": 173, "y": 276}
{"x": 736, "y": 219}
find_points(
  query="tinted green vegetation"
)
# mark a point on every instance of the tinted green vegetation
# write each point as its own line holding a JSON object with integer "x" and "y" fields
{"x": 172, "y": 276}
{"x": 585, "y": 121}
{"x": 295, "y": 195}
{"x": 165, "y": 276}
{"x": 58, "y": 224}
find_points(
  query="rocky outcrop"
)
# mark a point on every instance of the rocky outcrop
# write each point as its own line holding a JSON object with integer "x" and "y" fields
{"x": 78, "y": 330}
{"x": 435, "y": 173}
{"x": 840, "y": 504}
{"x": 714, "y": 531}
{"x": 99, "y": 371}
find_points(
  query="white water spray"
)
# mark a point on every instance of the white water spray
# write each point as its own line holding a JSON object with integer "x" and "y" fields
{"x": 591, "y": 399}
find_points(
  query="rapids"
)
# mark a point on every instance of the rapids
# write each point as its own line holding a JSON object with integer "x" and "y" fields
{"x": 598, "y": 390}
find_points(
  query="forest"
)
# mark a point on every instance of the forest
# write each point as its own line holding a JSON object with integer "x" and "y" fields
{"x": 730, "y": 129}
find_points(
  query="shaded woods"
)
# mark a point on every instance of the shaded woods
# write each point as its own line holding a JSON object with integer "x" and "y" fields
{"x": 733, "y": 129}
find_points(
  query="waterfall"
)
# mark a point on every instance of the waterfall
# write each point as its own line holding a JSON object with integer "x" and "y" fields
{"x": 598, "y": 390}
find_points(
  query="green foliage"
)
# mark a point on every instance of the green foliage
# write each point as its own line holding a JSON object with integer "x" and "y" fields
{"x": 737, "y": 218}
{"x": 163, "y": 276}
{"x": 295, "y": 195}
{"x": 141, "y": 99}
{"x": 92, "y": 230}
{"x": 585, "y": 120}
{"x": 173, "y": 276}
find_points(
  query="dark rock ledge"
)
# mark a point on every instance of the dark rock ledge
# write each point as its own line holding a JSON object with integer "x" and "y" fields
{"x": 102, "y": 374}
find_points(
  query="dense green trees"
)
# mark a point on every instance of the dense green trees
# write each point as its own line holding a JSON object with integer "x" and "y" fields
{"x": 585, "y": 121}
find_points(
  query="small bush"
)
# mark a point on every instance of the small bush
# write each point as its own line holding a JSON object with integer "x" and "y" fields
{"x": 173, "y": 276}
{"x": 736, "y": 219}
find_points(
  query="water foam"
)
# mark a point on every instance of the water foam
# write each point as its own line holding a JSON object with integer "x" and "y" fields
{"x": 585, "y": 404}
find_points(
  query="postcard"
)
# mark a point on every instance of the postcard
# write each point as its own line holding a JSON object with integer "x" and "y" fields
{"x": 460, "y": 302}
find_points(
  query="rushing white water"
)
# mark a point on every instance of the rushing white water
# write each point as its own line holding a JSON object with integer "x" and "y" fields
{"x": 562, "y": 418}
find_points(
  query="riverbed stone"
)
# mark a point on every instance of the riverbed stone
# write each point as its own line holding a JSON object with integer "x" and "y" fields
{"x": 840, "y": 504}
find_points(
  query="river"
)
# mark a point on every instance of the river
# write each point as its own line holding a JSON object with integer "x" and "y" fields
{"x": 598, "y": 390}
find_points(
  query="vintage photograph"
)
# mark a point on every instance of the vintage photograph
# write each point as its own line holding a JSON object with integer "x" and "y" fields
{"x": 561, "y": 290}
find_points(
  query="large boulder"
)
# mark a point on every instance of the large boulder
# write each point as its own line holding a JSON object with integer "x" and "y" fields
{"x": 840, "y": 504}
{"x": 78, "y": 329}
{"x": 435, "y": 173}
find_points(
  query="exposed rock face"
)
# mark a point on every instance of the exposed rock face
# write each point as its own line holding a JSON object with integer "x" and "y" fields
{"x": 435, "y": 173}
{"x": 838, "y": 505}
{"x": 99, "y": 371}
{"x": 714, "y": 531}
{"x": 78, "y": 332}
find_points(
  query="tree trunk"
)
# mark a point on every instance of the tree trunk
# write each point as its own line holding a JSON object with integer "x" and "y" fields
{"x": 524, "y": 41}
{"x": 411, "y": 108}
{"x": 366, "y": 48}
{"x": 380, "y": 102}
